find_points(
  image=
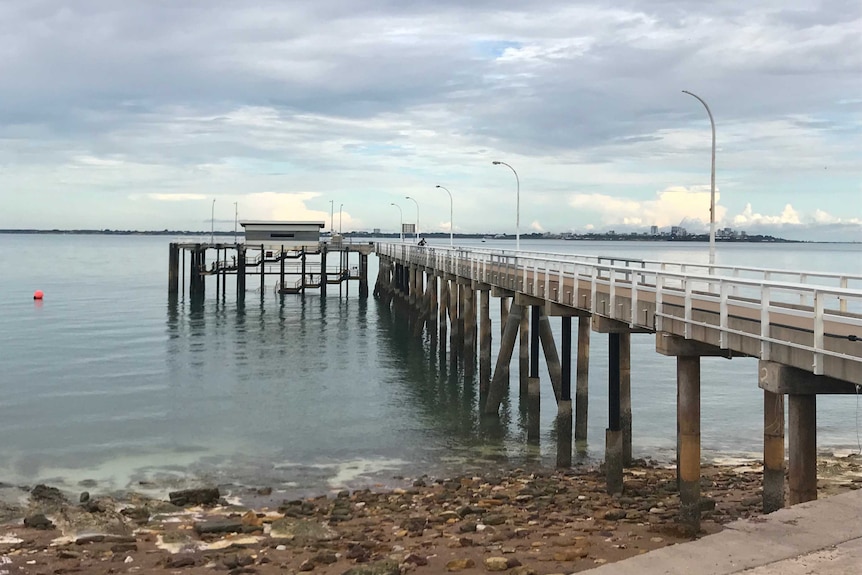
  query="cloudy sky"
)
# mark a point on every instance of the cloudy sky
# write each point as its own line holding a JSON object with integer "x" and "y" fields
{"x": 136, "y": 115}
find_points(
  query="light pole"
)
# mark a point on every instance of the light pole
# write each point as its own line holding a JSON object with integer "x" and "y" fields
{"x": 341, "y": 207}
{"x": 235, "y": 218}
{"x": 517, "y": 204}
{"x": 400, "y": 221}
{"x": 331, "y": 216}
{"x": 212, "y": 222}
{"x": 451, "y": 241}
{"x": 711, "y": 183}
{"x": 417, "y": 215}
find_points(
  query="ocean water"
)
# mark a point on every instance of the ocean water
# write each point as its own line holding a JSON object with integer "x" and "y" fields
{"x": 108, "y": 380}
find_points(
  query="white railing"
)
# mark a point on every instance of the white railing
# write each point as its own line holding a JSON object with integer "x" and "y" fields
{"x": 533, "y": 274}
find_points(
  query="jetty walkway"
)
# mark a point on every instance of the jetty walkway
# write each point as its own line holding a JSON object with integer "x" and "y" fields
{"x": 805, "y": 328}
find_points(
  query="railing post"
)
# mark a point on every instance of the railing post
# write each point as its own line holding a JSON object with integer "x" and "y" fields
{"x": 722, "y": 315}
{"x": 764, "y": 323}
{"x": 687, "y": 329}
{"x": 818, "y": 332}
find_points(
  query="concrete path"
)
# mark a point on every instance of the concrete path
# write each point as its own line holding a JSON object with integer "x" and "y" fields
{"x": 823, "y": 536}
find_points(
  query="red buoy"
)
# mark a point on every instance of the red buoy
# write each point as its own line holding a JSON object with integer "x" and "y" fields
{"x": 38, "y": 294}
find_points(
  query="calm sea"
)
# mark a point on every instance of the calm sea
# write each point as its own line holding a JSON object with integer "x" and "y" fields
{"x": 105, "y": 380}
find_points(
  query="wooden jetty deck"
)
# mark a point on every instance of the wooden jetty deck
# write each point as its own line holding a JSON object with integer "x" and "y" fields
{"x": 805, "y": 329}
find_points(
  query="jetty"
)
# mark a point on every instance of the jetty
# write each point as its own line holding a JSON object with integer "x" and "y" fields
{"x": 805, "y": 329}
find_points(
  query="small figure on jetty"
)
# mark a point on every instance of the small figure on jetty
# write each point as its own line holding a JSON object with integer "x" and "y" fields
{"x": 422, "y": 242}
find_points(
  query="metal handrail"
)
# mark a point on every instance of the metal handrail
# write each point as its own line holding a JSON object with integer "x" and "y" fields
{"x": 519, "y": 268}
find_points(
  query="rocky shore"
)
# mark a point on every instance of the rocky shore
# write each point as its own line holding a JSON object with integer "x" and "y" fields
{"x": 518, "y": 521}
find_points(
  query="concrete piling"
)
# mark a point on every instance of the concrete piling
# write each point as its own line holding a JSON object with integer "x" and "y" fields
{"x": 688, "y": 417}
{"x": 582, "y": 379}
{"x": 802, "y": 444}
{"x": 773, "y": 451}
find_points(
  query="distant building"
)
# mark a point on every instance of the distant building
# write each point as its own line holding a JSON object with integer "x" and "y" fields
{"x": 678, "y": 231}
{"x": 376, "y": 231}
{"x": 653, "y": 230}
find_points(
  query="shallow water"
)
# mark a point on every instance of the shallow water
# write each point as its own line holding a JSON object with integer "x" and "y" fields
{"x": 107, "y": 380}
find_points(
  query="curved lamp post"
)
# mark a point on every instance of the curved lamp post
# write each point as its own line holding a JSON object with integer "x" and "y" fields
{"x": 712, "y": 181}
{"x": 235, "y": 218}
{"x": 401, "y": 221}
{"x": 341, "y": 207}
{"x": 517, "y": 204}
{"x": 417, "y": 215}
{"x": 212, "y": 222}
{"x": 451, "y": 226}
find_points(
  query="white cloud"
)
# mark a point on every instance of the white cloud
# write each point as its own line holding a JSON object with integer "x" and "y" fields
{"x": 669, "y": 208}
{"x": 176, "y": 197}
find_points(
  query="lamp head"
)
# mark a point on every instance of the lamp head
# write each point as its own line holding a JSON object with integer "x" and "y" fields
{"x": 438, "y": 186}
{"x": 496, "y": 163}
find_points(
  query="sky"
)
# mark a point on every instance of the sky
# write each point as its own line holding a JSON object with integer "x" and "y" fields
{"x": 162, "y": 114}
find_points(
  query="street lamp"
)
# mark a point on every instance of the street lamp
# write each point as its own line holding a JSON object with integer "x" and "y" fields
{"x": 712, "y": 182}
{"x": 400, "y": 221}
{"x": 212, "y": 222}
{"x": 417, "y": 215}
{"x": 331, "y": 218}
{"x": 451, "y": 241}
{"x": 235, "y": 218}
{"x": 517, "y": 204}
{"x": 341, "y": 207}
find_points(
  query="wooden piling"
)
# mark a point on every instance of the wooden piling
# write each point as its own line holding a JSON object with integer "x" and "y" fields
{"x": 484, "y": 340}
{"x": 613, "y": 434}
{"x": 240, "y": 273}
{"x": 582, "y": 379}
{"x": 564, "y": 405}
{"x": 499, "y": 385}
{"x": 173, "y": 269}
{"x": 688, "y": 419}
{"x": 363, "y": 275}
{"x": 323, "y": 277}
{"x": 262, "y": 270}
{"x": 626, "y": 395}
{"x": 469, "y": 328}
{"x": 552, "y": 360}
{"x": 802, "y": 444}
{"x": 773, "y": 451}
{"x": 524, "y": 353}
{"x": 444, "y": 311}
{"x": 504, "y": 314}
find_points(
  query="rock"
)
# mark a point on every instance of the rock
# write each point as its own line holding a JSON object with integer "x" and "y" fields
{"x": 615, "y": 514}
{"x": 38, "y": 521}
{"x": 415, "y": 525}
{"x": 387, "y": 567}
{"x": 325, "y": 558}
{"x": 302, "y": 530}
{"x": 414, "y": 559}
{"x": 45, "y": 494}
{"x": 708, "y": 504}
{"x": 571, "y": 554}
{"x": 220, "y": 526}
{"x": 179, "y": 561}
{"x": 84, "y": 497}
{"x": 200, "y": 496}
{"x": 523, "y": 571}
{"x": 124, "y": 547}
{"x": 467, "y": 527}
{"x": 68, "y": 554}
{"x": 104, "y": 538}
{"x": 306, "y": 565}
{"x": 460, "y": 564}
{"x": 494, "y": 519}
{"x": 496, "y": 563}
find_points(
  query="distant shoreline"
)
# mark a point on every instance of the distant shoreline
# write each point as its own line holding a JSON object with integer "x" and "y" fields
{"x": 444, "y": 235}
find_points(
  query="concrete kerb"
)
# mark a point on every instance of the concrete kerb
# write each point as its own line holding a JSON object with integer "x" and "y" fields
{"x": 785, "y": 535}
